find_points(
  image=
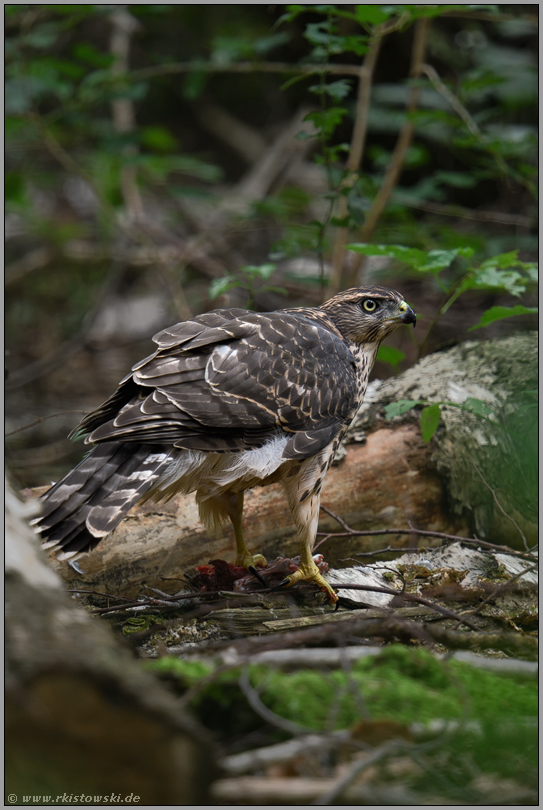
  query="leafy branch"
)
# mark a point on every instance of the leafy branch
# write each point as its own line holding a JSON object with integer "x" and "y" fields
{"x": 504, "y": 273}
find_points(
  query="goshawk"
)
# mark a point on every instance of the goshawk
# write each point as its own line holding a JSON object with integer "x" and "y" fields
{"x": 230, "y": 400}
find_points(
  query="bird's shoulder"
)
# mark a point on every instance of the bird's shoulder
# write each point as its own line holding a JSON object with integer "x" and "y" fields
{"x": 294, "y": 330}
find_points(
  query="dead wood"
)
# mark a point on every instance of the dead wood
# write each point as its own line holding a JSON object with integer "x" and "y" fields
{"x": 304, "y": 791}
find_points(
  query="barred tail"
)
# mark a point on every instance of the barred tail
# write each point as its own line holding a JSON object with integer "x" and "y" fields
{"x": 92, "y": 499}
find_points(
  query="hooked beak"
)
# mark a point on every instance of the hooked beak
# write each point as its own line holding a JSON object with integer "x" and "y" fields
{"x": 407, "y": 314}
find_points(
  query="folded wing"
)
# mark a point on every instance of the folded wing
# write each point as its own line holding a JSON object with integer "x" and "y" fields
{"x": 229, "y": 380}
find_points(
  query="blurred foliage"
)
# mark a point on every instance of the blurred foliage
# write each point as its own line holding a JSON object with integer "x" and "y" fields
{"x": 109, "y": 104}
{"x": 496, "y": 731}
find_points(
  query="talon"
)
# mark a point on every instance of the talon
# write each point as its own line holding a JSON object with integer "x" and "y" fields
{"x": 307, "y": 574}
{"x": 255, "y": 573}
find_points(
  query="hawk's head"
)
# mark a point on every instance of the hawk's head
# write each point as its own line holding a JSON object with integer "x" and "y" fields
{"x": 368, "y": 314}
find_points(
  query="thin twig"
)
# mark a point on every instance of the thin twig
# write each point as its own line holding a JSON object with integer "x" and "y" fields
{"x": 496, "y": 591}
{"x": 60, "y": 355}
{"x": 380, "y": 753}
{"x": 407, "y": 597}
{"x": 500, "y": 507}
{"x": 270, "y": 717}
{"x": 99, "y": 593}
{"x": 472, "y": 126}
{"x": 390, "y": 550}
{"x": 242, "y": 67}
{"x": 34, "y": 260}
{"x": 500, "y": 217}
{"x": 40, "y": 419}
{"x": 456, "y": 538}
{"x": 390, "y": 626}
{"x": 124, "y": 25}
{"x": 355, "y": 157}
{"x": 336, "y": 517}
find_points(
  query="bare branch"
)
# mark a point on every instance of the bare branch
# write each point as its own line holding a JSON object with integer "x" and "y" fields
{"x": 500, "y": 217}
{"x": 395, "y": 167}
{"x": 262, "y": 710}
{"x": 34, "y": 260}
{"x": 456, "y": 538}
{"x": 472, "y": 126}
{"x": 40, "y": 419}
{"x": 380, "y": 753}
{"x": 242, "y": 67}
{"x": 355, "y": 158}
{"x": 124, "y": 25}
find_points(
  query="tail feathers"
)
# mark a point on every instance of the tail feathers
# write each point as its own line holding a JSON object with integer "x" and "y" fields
{"x": 92, "y": 499}
{"x": 82, "y": 482}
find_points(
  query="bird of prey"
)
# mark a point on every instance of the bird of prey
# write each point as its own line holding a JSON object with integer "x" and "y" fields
{"x": 230, "y": 400}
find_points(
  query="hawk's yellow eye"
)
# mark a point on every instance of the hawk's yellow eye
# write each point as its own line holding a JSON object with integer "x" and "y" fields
{"x": 369, "y": 305}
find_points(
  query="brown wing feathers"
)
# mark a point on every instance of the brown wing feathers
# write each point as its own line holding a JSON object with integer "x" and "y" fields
{"x": 226, "y": 381}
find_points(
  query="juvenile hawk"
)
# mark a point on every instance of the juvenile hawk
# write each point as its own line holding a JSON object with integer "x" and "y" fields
{"x": 230, "y": 400}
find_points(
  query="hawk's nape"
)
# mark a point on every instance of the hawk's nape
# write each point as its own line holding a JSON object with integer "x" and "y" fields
{"x": 230, "y": 400}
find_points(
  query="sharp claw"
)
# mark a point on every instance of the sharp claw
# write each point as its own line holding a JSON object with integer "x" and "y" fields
{"x": 259, "y": 576}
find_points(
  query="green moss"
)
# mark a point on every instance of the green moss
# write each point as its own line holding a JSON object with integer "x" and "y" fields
{"x": 495, "y": 714}
{"x": 189, "y": 672}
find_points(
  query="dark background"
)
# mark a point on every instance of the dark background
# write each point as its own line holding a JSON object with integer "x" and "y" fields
{"x": 91, "y": 277}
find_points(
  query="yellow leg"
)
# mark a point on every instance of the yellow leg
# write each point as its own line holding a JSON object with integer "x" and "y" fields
{"x": 233, "y": 503}
{"x": 306, "y": 516}
{"x": 308, "y": 572}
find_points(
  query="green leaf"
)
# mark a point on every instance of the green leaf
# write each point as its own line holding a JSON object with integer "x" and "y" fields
{"x": 438, "y": 260}
{"x": 263, "y": 271}
{"x": 400, "y": 252}
{"x": 327, "y": 120}
{"x": 390, "y": 355}
{"x": 499, "y": 313}
{"x": 91, "y": 56}
{"x": 336, "y": 90}
{"x": 219, "y": 286}
{"x": 400, "y": 407}
{"x": 371, "y": 14}
{"x": 272, "y": 289}
{"x": 492, "y": 278}
{"x": 431, "y": 262}
{"x": 477, "y": 406}
{"x": 456, "y": 179}
{"x": 502, "y": 261}
{"x": 158, "y": 138}
{"x": 429, "y": 420}
{"x": 160, "y": 166}
{"x": 435, "y": 10}
{"x": 14, "y": 187}
{"x": 194, "y": 84}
